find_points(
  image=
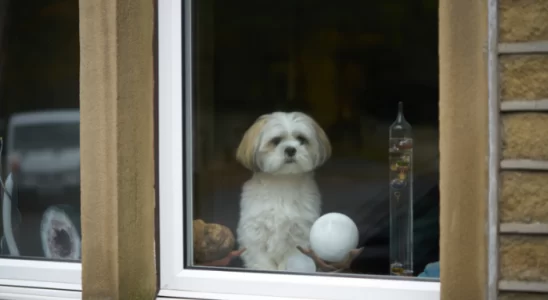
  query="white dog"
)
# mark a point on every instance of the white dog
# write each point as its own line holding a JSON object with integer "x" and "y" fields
{"x": 281, "y": 201}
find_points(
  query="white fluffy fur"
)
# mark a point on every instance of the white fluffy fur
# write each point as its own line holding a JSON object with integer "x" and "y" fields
{"x": 281, "y": 201}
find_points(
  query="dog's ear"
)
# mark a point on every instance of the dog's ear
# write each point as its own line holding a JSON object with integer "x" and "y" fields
{"x": 324, "y": 145}
{"x": 245, "y": 154}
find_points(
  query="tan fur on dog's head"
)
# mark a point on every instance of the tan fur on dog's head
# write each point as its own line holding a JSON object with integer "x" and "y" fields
{"x": 284, "y": 143}
{"x": 247, "y": 148}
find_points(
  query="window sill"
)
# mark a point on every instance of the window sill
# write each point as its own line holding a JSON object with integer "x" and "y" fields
{"x": 370, "y": 289}
{"x": 26, "y": 293}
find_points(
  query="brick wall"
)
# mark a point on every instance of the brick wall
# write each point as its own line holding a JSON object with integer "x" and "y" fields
{"x": 523, "y": 34}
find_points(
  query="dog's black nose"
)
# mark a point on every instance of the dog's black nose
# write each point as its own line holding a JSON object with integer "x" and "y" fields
{"x": 290, "y": 151}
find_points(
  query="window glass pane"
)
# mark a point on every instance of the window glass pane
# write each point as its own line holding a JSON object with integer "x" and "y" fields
{"x": 40, "y": 130}
{"x": 354, "y": 85}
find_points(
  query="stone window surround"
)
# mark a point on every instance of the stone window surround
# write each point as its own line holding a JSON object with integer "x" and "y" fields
{"x": 117, "y": 80}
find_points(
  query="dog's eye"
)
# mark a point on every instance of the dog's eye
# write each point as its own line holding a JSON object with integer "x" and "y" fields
{"x": 302, "y": 139}
{"x": 275, "y": 141}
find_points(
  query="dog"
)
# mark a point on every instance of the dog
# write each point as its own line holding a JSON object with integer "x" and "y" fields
{"x": 281, "y": 201}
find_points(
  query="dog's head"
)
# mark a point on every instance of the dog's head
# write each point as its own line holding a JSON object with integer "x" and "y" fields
{"x": 284, "y": 143}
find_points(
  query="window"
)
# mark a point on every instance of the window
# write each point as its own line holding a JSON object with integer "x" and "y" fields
{"x": 347, "y": 67}
{"x": 40, "y": 152}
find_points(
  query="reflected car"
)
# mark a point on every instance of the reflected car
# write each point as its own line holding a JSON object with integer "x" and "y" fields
{"x": 43, "y": 152}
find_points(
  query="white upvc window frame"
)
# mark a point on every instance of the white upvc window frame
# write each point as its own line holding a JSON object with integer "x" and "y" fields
{"x": 175, "y": 187}
{"x": 37, "y": 273}
{"x": 30, "y": 278}
{"x": 30, "y": 293}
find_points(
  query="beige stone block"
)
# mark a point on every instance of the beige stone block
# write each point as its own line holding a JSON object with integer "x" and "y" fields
{"x": 524, "y": 197}
{"x": 522, "y": 296}
{"x": 524, "y": 258}
{"x": 463, "y": 144}
{"x": 523, "y": 20}
{"x": 524, "y": 77}
{"x": 525, "y": 136}
{"x": 117, "y": 149}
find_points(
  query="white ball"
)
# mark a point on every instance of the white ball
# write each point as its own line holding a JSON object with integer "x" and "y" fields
{"x": 332, "y": 236}
{"x": 299, "y": 262}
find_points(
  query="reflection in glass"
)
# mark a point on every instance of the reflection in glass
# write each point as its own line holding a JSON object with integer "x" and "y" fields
{"x": 346, "y": 66}
{"x": 40, "y": 130}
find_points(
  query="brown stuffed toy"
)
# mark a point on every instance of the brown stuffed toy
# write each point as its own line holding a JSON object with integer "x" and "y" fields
{"x": 213, "y": 244}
